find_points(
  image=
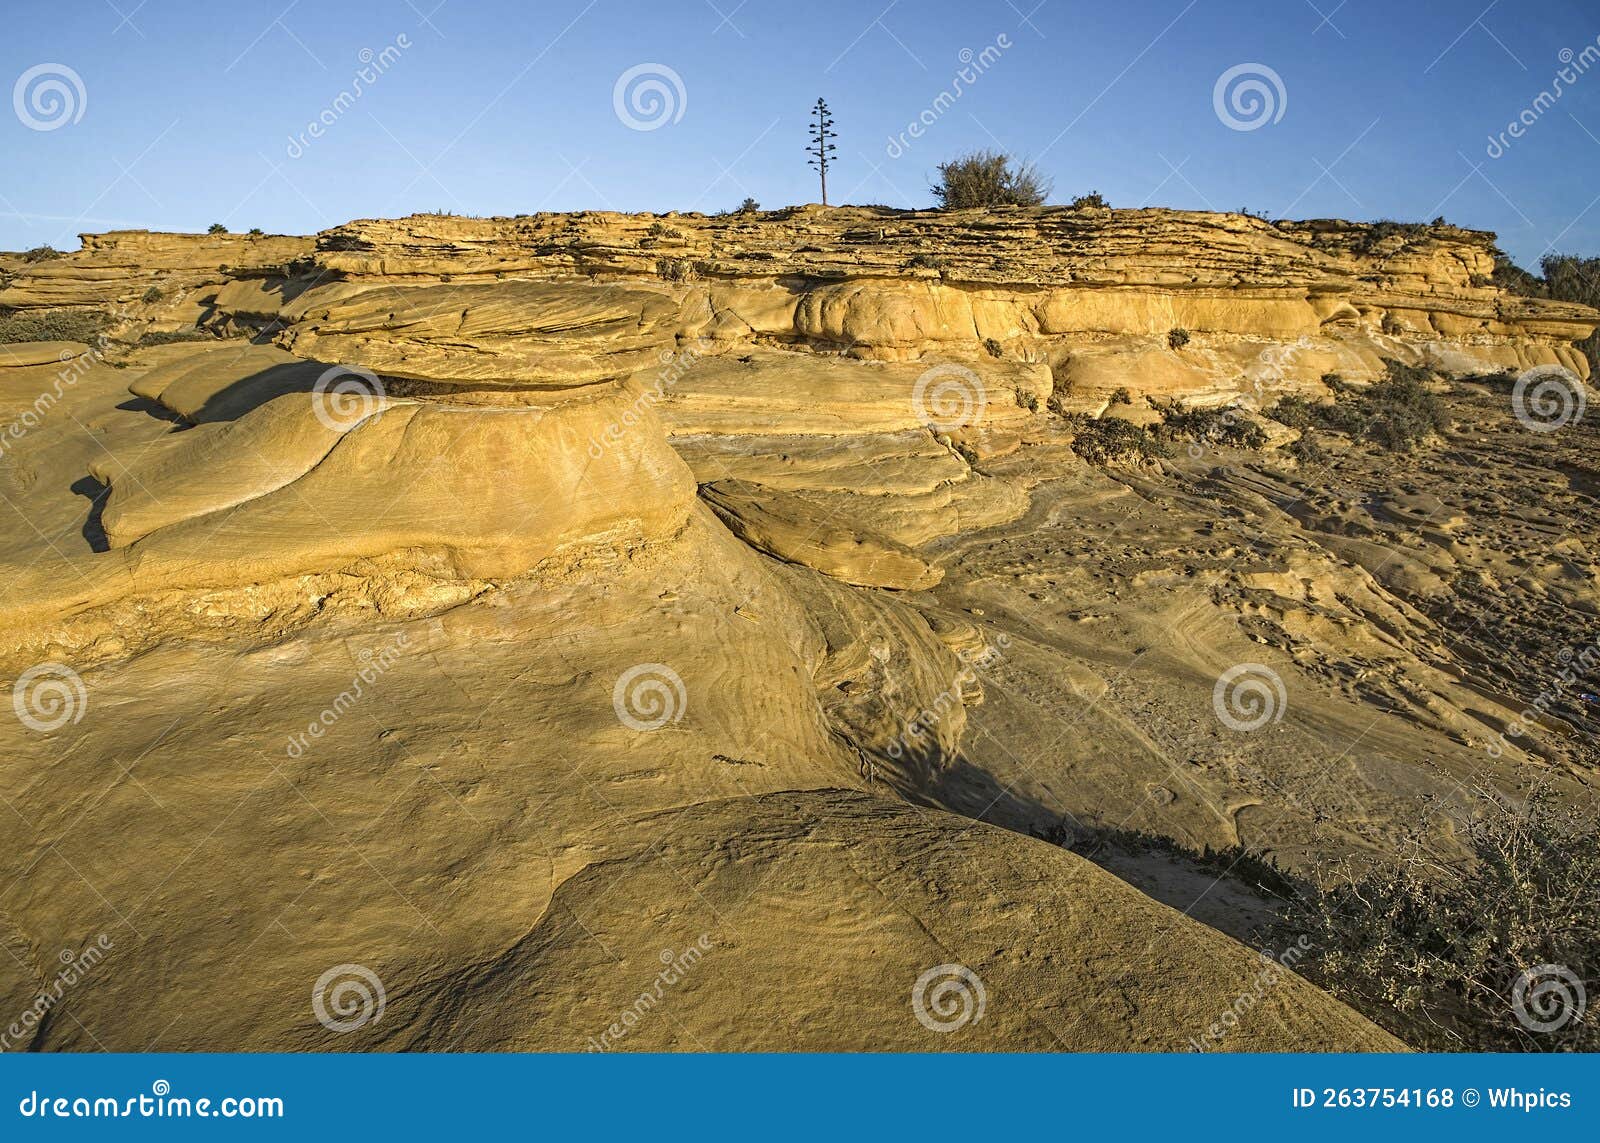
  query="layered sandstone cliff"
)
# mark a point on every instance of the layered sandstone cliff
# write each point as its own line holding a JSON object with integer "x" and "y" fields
{"x": 809, "y": 469}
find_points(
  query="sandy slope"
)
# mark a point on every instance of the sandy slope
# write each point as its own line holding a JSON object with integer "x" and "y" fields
{"x": 479, "y": 828}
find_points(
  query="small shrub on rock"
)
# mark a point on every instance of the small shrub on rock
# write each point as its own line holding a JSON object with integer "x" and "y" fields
{"x": 1488, "y": 956}
{"x": 1110, "y": 440}
{"x": 1217, "y": 428}
{"x": 989, "y": 178}
{"x": 1398, "y": 412}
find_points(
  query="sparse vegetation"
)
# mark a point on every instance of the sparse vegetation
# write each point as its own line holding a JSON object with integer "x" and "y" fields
{"x": 1294, "y": 411}
{"x": 1121, "y": 396}
{"x": 1177, "y": 338}
{"x": 1307, "y": 449}
{"x": 1567, "y": 278}
{"x": 40, "y": 254}
{"x": 662, "y": 230}
{"x": 1433, "y": 951}
{"x": 174, "y": 336}
{"x": 1381, "y": 231}
{"x": 1218, "y": 428}
{"x": 151, "y": 295}
{"x": 216, "y": 228}
{"x": 1094, "y": 199}
{"x": 988, "y": 178}
{"x": 1398, "y": 412}
{"x": 1110, "y": 440}
{"x": 1091, "y": 840}
{"x": 52, "y": 325}
{"x": 257, "y": 232}
{"x": 925, "y": 262}
{"x": 1514, "y": 279}
{"x": 749, "y": 206}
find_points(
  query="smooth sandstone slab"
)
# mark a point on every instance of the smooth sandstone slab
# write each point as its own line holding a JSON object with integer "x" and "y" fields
{"x": 28, "y": 353}
{"x": 767, "y": 521}
{"x": 216, "y": 466}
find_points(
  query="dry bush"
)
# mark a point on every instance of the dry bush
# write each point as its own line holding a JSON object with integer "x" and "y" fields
{"x": 989, "y": 178}
{"x": 1398, "y": 412}
{"x": 1110, "y": 440}
{"x": 1218, "y": 428}
{"x": 52, "y": 325}
{"x": 1434, "y": 952}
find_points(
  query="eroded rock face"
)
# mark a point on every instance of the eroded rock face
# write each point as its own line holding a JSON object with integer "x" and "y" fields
{"x": 798, "y": 472}
{"x": 903, "y": 285}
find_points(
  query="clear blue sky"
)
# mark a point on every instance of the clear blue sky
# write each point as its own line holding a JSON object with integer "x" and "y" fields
{"x": 500, "y": 107}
